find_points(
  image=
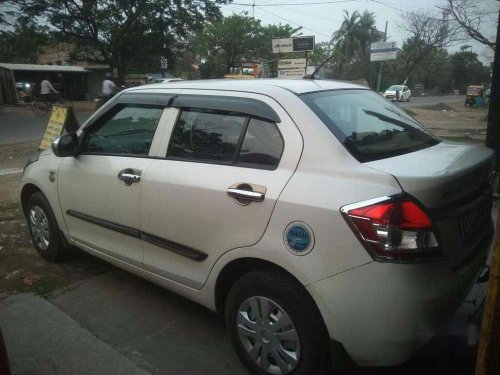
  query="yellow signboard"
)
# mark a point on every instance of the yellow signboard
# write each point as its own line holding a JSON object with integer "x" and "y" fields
{"x": 55, "y": 127}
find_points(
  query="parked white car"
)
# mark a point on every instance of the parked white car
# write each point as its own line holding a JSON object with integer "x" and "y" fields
{"x": 307, "y": 212}
{"x": 398, "y": 92}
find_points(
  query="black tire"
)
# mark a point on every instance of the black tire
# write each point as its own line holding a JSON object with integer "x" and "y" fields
{"x": 55, "y": 251}
{"x": 40, "y": 108}
{"x": 295, "y": 301}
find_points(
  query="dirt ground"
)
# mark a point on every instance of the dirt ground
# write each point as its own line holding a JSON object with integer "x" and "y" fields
{"x": 21, "y": 268}
{"x": 453, "y": 121}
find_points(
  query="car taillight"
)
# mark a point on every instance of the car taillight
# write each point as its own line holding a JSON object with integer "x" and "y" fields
{"x": 393, "y": 229}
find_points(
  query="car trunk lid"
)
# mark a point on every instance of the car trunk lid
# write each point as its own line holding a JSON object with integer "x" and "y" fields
{"x": 453, "y": 181}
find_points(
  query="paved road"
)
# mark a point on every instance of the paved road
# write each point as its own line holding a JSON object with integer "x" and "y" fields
{"x": 23, "y": 126}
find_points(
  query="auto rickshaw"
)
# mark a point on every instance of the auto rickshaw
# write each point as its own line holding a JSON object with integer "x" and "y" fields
{"x": 472, "y": 95}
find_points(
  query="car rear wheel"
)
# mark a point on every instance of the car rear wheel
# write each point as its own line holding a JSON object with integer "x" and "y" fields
{"x": 43, "y": 228}
{"x": 275, "y": 327}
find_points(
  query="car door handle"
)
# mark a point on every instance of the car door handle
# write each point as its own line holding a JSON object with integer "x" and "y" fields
{"x": 245, "y": 193}
{"x": 129, "y": 176}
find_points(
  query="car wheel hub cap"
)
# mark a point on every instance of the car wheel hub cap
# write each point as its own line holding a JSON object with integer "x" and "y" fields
{"x": 268, "y": 335}
{"x": 39, "y": 226}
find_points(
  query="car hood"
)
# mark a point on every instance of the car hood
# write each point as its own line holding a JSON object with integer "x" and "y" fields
{"x": 440, "y": 174}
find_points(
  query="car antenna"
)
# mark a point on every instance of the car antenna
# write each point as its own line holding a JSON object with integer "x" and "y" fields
{"x": 311, "y": 76}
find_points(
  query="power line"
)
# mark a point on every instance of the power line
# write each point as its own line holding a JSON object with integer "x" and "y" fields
{"x": 295, "y": 4}
{"x": 287, "y": 20}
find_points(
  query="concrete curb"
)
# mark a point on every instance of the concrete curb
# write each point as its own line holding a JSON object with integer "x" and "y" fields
{"x": 41, "y": 339}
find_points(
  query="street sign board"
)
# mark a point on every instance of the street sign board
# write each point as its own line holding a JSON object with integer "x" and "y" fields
{"x": 283, "y": 45}
{"x": 163, "y": 63}
{"x": 291, "y": 73}
{"x": 291, "y": 63}
{"x": 298, "y": 44}
{"x": 303, "y": 43}
{"x": 383, "y": 51}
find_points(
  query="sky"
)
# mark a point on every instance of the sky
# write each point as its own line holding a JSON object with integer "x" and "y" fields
{"x": 321, "y": 20}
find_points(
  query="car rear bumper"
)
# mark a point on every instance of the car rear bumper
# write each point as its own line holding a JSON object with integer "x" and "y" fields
{"x": 382, "y": 313}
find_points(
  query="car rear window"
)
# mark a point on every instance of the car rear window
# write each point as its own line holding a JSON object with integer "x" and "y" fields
{"x": 368, "y": 125}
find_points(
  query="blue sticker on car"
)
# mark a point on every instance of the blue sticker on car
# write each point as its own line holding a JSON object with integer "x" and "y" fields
{"x": 299, "y": 238}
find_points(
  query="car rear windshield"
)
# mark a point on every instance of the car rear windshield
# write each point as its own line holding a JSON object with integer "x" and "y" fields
{"x": 395, "y": 88}
{"x": 368, "y": 125}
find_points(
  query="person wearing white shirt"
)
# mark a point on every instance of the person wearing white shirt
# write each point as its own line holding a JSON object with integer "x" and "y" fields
{"x": 108, "y": 86}
{"x": 46, "y": 89}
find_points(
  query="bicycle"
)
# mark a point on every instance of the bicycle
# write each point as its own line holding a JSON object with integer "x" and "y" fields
{"x": 41, "y": 106}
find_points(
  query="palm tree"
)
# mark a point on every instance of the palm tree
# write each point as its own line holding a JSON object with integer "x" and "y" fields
{"x": 345, "y": 39}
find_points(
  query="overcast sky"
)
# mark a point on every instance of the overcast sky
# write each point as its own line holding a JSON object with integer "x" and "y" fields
{"x": 322, "y": 20}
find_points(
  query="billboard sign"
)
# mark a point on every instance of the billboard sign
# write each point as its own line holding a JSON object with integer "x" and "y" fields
{"x": 303, "y": 43}
{"x": 291, "y": 73}
{"x": 291, "y": 63}
{"x": 298, "y": 44}
{"x": 283, "y": 45}
{"x": 383, "y": 51}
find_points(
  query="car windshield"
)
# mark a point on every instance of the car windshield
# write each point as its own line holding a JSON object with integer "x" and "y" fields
{"x": 369, "y": 126}
{"x": 395, "y": 88}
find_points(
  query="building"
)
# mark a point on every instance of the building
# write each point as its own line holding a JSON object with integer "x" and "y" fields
{"x": 74, "y": 82}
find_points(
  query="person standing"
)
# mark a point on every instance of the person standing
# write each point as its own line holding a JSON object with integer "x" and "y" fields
{"x": 108, "y": 87}
{"x": 47, "y": 90}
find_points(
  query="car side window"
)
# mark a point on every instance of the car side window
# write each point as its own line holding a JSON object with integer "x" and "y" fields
{"x": 262, "y": 145}
{"x": 128, "y": 130}
{"x": 206, "y": 135}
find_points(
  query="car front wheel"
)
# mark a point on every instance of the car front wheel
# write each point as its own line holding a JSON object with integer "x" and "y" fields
{"x": 43, "y": 228}
{"x": 275, "y": 326}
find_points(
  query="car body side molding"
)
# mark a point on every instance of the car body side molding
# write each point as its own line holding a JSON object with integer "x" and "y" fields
{"x": 175, "y": 247}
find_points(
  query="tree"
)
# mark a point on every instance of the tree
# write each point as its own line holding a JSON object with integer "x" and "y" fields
{"x": 24, "y": 43}
{"x": 424, "y": 33}
{"x": 467, "y": 69}
{"x": 122, "y": 33}
{"x": 468, "y": 15}
{"x": 352, "y": 44}
{"x": 234, "y": 38}
{"x": 346, "y": 40}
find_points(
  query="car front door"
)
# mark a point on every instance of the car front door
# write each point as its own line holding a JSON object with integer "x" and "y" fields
{"x": 218, "y": 174}
{"x": 99, "y": 190}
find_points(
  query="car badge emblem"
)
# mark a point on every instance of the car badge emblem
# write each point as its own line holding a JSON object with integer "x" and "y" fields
{"x": 299, "y": 238}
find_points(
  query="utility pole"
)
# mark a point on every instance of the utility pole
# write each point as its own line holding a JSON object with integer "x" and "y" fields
{"x": 380, "y": 66}
{"x": 493, "y": 127}
{"x": 253, "y": 9}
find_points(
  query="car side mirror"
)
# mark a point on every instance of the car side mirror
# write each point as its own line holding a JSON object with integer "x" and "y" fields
{"x": 65, "y": 145}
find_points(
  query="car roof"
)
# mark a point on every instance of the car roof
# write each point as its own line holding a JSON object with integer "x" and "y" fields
{"x": 299, "y": 86}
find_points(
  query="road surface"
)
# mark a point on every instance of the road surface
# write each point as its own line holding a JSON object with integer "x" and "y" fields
{"x": 19, "y": 125}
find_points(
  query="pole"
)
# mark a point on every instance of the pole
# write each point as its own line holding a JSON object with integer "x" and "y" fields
{"x": 493, "y": 127}
{"x": 305, "y": 69}
{"x": 253, "y": 9}
{"x": 380, "y": 66}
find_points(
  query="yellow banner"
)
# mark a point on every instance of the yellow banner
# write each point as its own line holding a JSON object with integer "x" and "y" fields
{"x": 55, "y": 126}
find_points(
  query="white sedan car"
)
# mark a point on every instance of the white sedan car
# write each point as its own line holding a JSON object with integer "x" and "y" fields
{"x": 306, "y": 212}
{"x": 398, "y": 92}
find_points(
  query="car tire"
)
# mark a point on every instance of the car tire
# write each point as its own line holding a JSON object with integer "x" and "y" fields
{"x": 408, "y": 99}
{"x": 44, "y": 229}
{"x": 294, "y": 315}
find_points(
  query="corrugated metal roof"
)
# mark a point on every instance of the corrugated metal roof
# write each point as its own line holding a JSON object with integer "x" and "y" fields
{"x": 44, "y": 68}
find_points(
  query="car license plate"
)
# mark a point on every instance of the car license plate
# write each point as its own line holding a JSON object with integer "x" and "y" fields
{"x": 475, "y": 220}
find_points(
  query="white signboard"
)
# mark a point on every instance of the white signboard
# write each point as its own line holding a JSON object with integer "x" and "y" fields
{"x": 291, "y": 73}
{"x": 163, "y": 63}
{"x": 283, "y": 45}
{"x": 383, "y": 51}
{"x": 291, "y": 63}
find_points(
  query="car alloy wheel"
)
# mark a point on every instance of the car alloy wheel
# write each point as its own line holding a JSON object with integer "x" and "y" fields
{"x": 39, "y": 226}
{"x": 268, "y": 335}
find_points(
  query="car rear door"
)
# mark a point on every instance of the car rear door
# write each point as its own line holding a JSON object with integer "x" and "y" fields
{"x": 99, "y": 190}
{"x": 220, "y": 169}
